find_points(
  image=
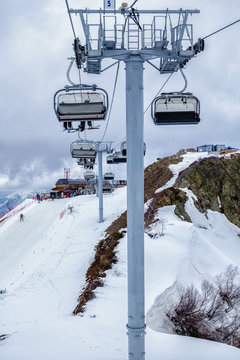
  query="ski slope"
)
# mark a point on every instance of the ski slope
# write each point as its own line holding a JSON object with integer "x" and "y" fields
{"x": 46, "y": 258}
{"x": 21, "y": 240}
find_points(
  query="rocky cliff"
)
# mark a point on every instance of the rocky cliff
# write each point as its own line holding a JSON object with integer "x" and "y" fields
{"x": 216, "y": 184}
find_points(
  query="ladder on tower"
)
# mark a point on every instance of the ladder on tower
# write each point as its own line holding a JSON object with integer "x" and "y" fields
{"x": 133, "y": 35}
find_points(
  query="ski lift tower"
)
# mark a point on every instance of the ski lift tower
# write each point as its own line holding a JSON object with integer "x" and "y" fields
{"x": 101, "y": 147}
{"x": 122, "y": 35}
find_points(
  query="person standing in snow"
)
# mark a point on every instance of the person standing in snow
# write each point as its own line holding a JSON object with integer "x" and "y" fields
{"x": 70, "y": 208}
{"x": 22, "y": 217}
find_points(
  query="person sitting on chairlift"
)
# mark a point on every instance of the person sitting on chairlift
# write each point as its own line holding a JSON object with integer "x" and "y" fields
{"x": 82, "y": 126}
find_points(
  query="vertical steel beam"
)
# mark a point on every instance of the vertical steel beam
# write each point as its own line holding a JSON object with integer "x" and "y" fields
{"x": 97, "y": 186}
{"x": 135, "y": 207}
{"x": 100, "y": 185}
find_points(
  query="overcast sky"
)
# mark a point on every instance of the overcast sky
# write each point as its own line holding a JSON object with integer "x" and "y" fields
{"x": 36, "y": 40}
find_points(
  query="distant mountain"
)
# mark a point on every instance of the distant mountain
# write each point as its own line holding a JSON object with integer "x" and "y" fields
{"x": 10, "y": 200}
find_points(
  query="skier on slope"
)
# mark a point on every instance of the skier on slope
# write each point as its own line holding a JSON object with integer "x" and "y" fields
{"x": 70, "y": 208}
{"x": 22, "y": 217}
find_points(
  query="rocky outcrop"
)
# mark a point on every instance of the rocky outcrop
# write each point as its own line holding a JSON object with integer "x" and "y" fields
{"x": 158, "y": 174}
{"x": 170, "y": 196}
{"x": 216, "y": 184}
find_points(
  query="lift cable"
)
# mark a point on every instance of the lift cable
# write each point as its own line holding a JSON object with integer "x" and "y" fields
{"x": 120, "y": 142}
{"x": 132, "y": 4}
{"x": 113, "y": 95}
{"x": 133, "y": 16}
{"x": 225, "y": 27}
{"x": 74, "y": 34}
{"x": 158, "y": 92}
{"x": 123, "y": 139}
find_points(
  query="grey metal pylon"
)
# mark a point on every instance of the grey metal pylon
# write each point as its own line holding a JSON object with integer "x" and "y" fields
{"x": 102, "y": 147}
{"x": 100, "y": 186}
{"x": 135, "y": 207}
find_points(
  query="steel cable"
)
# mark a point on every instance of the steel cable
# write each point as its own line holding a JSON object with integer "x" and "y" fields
{"x": 223, "y": 28}
{"x": 113, "y": 95}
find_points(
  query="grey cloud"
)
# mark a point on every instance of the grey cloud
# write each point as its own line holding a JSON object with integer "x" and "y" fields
{"x": 36, "y": 40}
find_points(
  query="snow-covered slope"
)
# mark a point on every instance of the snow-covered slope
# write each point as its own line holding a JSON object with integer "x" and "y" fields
{"x": 46, "y": 259}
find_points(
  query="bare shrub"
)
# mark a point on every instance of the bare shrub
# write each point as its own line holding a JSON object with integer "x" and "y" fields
{"x": 211, "y": 313}
{"x": 3, "y": 337}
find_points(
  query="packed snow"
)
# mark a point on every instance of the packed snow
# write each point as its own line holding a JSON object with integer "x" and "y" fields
{"x": 44, "y": 259}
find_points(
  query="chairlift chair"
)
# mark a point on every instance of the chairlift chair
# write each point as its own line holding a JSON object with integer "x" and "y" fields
{"x": 119, "y": 158}
{"x": 108, "y": 176}
{"x": 89, "y": 175}
{"x": 124, "y": 148}
{"x": 83, "y": 150}
{"x": 80, "y": 103}
{"x": 109, "y": 159}
{"x": 176, "y": 109}
{"x": 107, "y": 187}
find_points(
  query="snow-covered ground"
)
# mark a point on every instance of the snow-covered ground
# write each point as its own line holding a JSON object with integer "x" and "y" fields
{"x": 43, "y": 262}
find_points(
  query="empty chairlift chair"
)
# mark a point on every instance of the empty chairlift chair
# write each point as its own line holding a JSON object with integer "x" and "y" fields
{"x": 88, "y": 175}
{"x": 176, "y": 109}
{"x": 109, "y": 159}
{"x": 108, "y": 176}
{"x": 118, "y": 157}
{"x": 124, "y": 148}
{"x": 107, "y": 187}
{"x": 83, "y": 150}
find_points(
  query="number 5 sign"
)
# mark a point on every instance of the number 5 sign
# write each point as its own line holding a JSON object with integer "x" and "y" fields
{"x": 109, "y": 4}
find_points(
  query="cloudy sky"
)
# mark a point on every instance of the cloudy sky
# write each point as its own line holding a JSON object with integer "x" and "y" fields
{"x": 36, "y": 40}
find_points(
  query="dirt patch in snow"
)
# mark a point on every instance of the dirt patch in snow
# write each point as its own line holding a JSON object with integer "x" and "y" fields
{"x": 118, "y": 224}
{"x": 105, "y": 257}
